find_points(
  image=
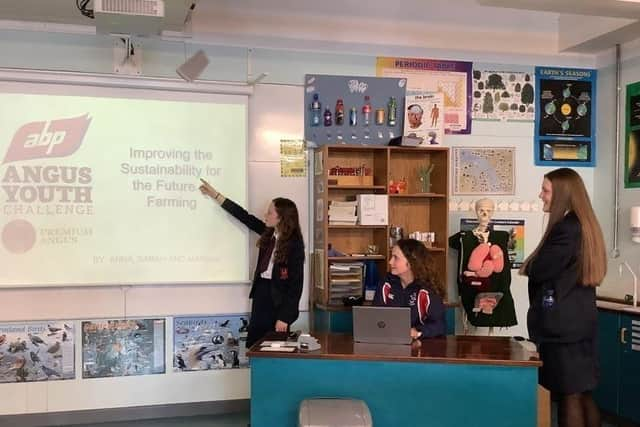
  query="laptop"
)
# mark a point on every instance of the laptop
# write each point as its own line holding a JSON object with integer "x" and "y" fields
{"x": 381, "y": 325}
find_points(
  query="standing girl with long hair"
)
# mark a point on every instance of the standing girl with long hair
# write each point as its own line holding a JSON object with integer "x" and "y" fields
{"x": 569, "y": 262}
{"x": 277, "y": 281}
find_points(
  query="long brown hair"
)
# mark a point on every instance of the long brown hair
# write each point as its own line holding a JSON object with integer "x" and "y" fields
{"x": 288, "y": 228}
{"x": 568, "y": 194}
{"x": 421, "y": 264}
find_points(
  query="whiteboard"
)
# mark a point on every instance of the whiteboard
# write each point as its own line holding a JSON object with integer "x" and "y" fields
{"x": 100, "y": 185}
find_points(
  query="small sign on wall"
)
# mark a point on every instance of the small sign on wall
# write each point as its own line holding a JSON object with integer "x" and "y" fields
{"x": 293, "y": 158}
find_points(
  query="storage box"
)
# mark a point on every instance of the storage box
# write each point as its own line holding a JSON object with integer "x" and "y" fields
{"x": 350, "y": 179}
{"x": 373, "y": 209}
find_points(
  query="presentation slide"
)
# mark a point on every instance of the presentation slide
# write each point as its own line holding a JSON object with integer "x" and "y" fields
{"x": 103, "y": 189}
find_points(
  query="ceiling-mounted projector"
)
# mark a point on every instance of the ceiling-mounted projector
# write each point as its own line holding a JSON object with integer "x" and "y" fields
{"x": 135, "y": 17}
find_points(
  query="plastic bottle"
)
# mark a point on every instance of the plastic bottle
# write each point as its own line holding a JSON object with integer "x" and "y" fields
{"x": 391, "y": 113}
{"x": 366, "y": 111}
{"x": 327, "y": 117}
{"x": 316, "y": 110}
{"x": 353, "y": 116}
{"x": 339, "y": 112}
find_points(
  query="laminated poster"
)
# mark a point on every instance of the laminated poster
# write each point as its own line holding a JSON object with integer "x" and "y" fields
{"x": 632, "y": 139}
{"x": 484, "y": 170}
{"x": 424, "y": 118}
{"x": 123, "y": 347}
{"x": 565, "y": 125}
{"x": 451, "y": 78}
{"x": 37, "y": 351}
{"x": 503, "y": 95}
{"x": 210, "y": 342}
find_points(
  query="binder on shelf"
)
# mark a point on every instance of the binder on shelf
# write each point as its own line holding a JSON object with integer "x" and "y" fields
{"x": 373, "y": 209}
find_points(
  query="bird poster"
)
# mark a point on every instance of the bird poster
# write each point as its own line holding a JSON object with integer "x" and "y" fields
{"x": 210, "y": 342}
{"x": 123, "y": 347}
{"x": 37, "y": 351}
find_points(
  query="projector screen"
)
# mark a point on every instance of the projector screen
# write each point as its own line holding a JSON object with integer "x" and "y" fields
{"x": 100, "y": 186}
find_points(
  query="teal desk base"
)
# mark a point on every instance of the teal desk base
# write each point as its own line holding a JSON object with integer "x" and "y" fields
{"x": 397, "y": 393}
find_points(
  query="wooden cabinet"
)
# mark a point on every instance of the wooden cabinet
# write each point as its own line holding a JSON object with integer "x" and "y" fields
{"x": 618, "y": 391}
{"x": 343, "y": 172}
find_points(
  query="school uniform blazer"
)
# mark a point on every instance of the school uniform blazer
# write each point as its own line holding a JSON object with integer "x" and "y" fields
{"x": 286, "y": 277}
{"x": 573, "y": 315}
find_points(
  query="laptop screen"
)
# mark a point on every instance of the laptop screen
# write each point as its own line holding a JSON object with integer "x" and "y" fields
{"x": 382, "y": 325}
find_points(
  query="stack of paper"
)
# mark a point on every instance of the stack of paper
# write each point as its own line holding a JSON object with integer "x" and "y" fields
{"x": 342, "y": 213}
{"x": 345, "y": 280}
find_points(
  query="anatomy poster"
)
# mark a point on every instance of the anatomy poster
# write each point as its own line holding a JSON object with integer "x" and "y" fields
{"x": 423, "y": 117}
{"x": 503, "y": 96}
{"x": 451, "y": 78}
{"x": 565, "y": 117}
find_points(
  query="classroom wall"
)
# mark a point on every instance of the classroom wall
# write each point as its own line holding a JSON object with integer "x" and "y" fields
{"x": 275, "y": 111}
{"x": 615, "y": 285}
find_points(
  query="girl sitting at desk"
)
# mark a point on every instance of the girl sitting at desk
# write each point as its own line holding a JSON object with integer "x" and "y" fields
{"x": 413, "y": 282}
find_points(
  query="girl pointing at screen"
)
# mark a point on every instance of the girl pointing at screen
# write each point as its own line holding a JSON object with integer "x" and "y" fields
{"x": 277, "y": 281}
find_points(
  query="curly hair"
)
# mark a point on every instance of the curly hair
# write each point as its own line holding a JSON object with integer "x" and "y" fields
{"x": 288, "y": 228}
{"x": 421, "y": 264}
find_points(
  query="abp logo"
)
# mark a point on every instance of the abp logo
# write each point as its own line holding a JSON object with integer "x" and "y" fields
{"x": 54, "y": 138}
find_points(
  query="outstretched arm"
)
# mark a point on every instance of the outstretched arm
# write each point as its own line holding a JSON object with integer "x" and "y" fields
{"x": 208, "y": 190}
{"x": 252, "y": 222}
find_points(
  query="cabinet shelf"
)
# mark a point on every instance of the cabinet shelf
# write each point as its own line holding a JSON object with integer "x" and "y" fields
{"x": 429, "y": 248}
{"x": 413, "y": 210}
{"x": 357, "y": 187}
{"x": 418, "y": 195}
{"x": 357, "y": 226}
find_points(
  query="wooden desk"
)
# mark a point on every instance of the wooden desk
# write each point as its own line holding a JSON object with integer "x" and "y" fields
{"x": 449, "y": 381}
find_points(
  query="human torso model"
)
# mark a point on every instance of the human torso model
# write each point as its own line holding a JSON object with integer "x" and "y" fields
{"x": 484, "y": 272}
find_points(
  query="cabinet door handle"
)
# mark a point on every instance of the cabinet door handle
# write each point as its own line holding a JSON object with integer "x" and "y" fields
{"x": 623, "y": 331}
